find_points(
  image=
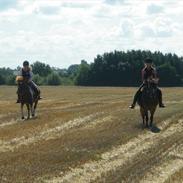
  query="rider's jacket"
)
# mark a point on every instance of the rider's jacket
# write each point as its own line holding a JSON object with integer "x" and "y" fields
{"x": 26, "y": 74}
{"x": 148, "y": 73}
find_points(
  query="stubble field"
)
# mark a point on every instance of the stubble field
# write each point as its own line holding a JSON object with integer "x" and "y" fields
{"x": 88, "y": 134}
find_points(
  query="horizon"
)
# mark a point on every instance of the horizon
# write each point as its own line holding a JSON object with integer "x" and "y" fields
{"x": 63, "y": 32}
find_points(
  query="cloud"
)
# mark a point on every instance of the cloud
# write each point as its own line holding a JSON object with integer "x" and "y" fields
{"x": 154, "y": 9}
{"x": 148, "y": 31}
{"x": 6, "y": 4}
{"x": 126, "y": 29}
{"x": 113, "y": 2}
{"x": 48, "y": 10}
{"x": 65, "y": 32}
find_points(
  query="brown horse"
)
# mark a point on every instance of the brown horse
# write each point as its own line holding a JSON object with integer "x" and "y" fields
{"x": 28, "y": 97}
{"x": 148, "y": 102}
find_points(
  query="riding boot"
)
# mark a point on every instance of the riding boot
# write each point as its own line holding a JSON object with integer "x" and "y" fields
{"x": 18, "y": 100}
{"x": 160, "y": 99}
{"x": 136, "y": 97}
{"x": 36, "y": 90}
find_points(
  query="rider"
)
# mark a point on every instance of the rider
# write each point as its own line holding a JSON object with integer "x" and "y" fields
{"x": 27, "y": 74}
{"x": 148, "y": 73}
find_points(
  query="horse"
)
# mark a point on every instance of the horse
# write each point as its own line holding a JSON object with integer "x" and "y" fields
{"x": 148, "y": 102}
{"x": 27, "y": 97}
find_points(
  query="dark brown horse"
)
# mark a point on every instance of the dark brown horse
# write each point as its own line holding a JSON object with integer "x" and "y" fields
{"x": 148, "y": 102}
{"x": 27, "y": 97}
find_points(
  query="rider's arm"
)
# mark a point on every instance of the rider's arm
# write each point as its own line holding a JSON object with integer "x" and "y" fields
{"x": 31, "y": 75}
{"x": 143, "y": 74}
{"x": 156, "y": 79}
{"x": 155, "y": 74}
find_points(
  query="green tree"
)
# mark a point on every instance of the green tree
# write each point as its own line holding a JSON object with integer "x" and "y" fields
{"x": 41, "y": 68}
{"x": 2, "y": 80}
{"x": 53, "y": 79}
{"x": 83, "y": 73}
{"x": 168, "y": 75}
{"x": 38, "y": 79}
{"x": 11, "y": 80}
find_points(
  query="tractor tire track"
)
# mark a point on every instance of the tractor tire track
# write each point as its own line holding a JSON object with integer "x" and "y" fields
{"x": 119, "y": 156}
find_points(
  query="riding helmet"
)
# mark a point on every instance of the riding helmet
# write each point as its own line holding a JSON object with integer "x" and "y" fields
{"x": 25, "y": 63}
{"x": 148, "y": 61}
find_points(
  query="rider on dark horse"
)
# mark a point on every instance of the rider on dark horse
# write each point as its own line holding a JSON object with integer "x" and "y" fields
{"x": 148, "y": 73}
{"x": 27, "y": 74}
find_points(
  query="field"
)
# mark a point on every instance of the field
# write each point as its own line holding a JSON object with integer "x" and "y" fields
{"x": 89, "y": 135}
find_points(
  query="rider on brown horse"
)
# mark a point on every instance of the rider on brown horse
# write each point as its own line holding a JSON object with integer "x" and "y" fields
{"x": 148, "y": 73}
{"x": 26, "y": 74}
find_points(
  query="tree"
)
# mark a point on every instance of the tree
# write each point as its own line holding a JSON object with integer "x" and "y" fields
{"x": 53, "y": 79}
{"x": 73, "y": 70}
{"x": 38, "y": 79}
{"x": 82, "y": 76}
{"x": 11, "y": 80}
{"x": 120, "y": 68}
{"x": 168, "y": 76}
{"x": 2, "y": 80}
{"x": 41, "y": 68}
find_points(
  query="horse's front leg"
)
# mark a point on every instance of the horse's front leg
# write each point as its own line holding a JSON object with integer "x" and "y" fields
{"x": 151, "y": 120}
{"x": 28, "y": 111}
{"x": 34, "y": 108}
{"x": 22, "y": 111}
{"x": 152, "y": 116}
{"x": 32, "y": 111}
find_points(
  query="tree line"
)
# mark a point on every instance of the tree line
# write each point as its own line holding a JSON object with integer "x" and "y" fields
{"x": 117, "y": 68}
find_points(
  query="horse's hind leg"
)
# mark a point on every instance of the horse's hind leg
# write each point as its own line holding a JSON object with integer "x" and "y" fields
{"x": 34, "y": 108}
{"x": 28, "y": 110}
{"x": 143, "y": 115}
{"x": 147, "y": 119}
{"x": 31, "y": 109}
{"x": 22, "y": 111}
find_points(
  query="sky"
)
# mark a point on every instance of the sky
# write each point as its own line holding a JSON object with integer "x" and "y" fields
{"x": 63, "y": 32}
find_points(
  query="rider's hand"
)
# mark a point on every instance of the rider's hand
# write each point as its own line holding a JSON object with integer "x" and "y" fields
{"x": 155, "y": 80}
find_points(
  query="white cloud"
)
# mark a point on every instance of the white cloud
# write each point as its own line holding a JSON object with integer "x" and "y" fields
{"x": 6, "y": 4}
{"x": 64, "y": 32}
{"x": 154, "y": 9}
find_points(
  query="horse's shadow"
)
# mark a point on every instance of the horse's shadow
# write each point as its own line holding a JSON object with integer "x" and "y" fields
{"x": 153, "y": 129}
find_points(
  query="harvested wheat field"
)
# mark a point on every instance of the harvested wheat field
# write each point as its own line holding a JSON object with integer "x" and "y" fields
{"x": 89, "y": 135}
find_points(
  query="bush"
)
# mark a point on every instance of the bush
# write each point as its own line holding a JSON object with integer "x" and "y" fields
{"x": 38, "y": 79}
{"x": 11, "y": 80}
{"x": 2, "y": 80}
{"x": 53, "y": 79}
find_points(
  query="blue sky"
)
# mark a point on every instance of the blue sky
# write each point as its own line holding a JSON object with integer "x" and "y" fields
{"x": 63, "y": 32}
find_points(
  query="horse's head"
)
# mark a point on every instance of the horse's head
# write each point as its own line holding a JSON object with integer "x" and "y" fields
{"x": 22, "y": 84}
